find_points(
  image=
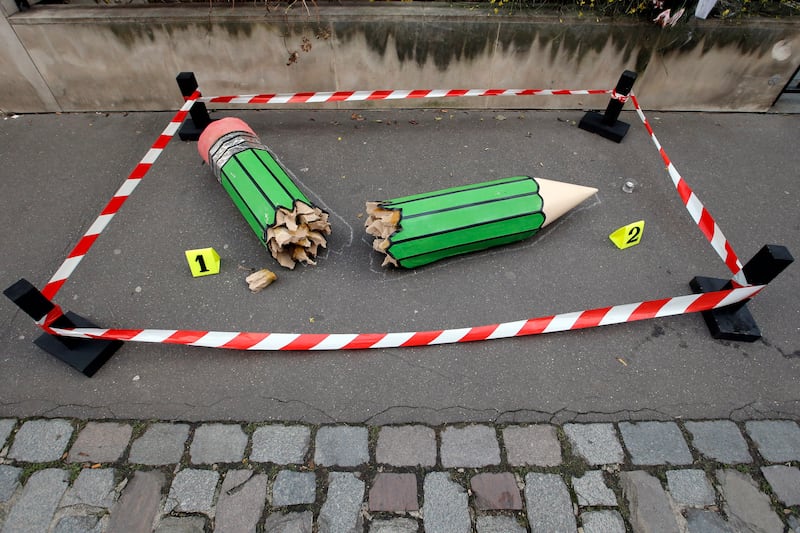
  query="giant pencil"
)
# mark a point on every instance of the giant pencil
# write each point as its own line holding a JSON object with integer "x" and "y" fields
{"x": 281, "y": 216}
{"x": 416, "y": 230}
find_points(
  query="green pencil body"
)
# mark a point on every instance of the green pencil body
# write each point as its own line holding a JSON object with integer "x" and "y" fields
{"x": 280, "y": 215}
{"x": 448, "y": 222}
{"x": 259, "y": 186}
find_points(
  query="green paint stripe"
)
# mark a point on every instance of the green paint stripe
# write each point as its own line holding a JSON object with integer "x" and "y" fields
{"x": 424, "y": 259}
{"x": 461, "y": 199}
{"x": 250, "y": 190}
{"x": 442, "y": 194}
{"x": 534, "y": 199}
{"x": 252, "y": 220}
{"x": 481, "y": 236}
{"x": 281, "y": 177}
{"x": 467, "y": 217}
{"x": 264, "y": 181}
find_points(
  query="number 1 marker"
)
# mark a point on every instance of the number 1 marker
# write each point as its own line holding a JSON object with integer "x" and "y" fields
{"x": 203, "y": 261}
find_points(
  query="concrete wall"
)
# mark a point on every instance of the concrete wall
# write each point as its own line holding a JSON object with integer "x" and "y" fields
{"x": 82, "y": 58}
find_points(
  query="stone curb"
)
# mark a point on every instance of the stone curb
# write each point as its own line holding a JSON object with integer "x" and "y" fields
{"x": 66, "y": 475}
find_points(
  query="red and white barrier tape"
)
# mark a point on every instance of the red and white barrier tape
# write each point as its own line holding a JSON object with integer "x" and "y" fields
{"x": 351, "y": 341}
{"x": 237, "y": 340}
{"x": 122, "y": 194}
{"x": 697, "y": 210}
{"x": 358, "y": 96}
{"x": 47, "y": 320}
{"x": 621, "y": 98}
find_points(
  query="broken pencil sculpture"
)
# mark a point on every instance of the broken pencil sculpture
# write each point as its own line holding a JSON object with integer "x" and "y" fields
{"x": 416, "y": 230}
{"x": 281, "y": 216}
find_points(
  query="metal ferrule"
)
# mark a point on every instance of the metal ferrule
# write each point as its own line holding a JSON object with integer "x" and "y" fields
{"x": 228, "y": 146}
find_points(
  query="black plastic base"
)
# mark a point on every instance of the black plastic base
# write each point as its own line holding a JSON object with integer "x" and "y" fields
{"x": 732, "y": 323}
{"x": 188, "y": 131}
{"x": 84, "y": 355}
{"x": 593, "y": 123}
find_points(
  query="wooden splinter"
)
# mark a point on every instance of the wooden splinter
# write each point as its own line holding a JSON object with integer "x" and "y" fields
{"x": 260, "y": 280}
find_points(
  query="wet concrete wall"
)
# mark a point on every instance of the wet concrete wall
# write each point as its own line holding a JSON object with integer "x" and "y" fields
{"x": 76, "y": 58}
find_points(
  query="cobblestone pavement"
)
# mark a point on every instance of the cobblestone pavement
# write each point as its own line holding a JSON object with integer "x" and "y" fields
{"x": 68, "y": 476}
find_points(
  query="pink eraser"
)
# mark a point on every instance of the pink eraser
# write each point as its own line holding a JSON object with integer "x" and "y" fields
{"x": 217, "y": 129}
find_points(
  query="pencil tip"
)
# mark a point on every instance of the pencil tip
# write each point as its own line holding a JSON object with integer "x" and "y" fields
{"x": 559, "y": 197}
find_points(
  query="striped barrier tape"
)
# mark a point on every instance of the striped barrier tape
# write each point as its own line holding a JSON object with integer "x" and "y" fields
{"x": 315, "y": 341}
{"x": 85, "y": 243}
{"x": 701, "y": 216}
{"x": 358, "y": 96}
{"x": 604, "y": 316}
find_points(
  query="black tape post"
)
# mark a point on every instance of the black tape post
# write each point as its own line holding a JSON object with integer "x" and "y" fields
{"x": 735, "y": 322}
{"x": 198, "y": 118}
{"x": 84, "y": 355}
{"x": 607, "y": 125}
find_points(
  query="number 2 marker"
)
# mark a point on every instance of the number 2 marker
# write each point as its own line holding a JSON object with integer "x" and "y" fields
{"x": 629, "y": 235}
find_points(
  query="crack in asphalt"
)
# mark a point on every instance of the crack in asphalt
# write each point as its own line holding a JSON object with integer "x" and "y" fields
{"x": 403, "y": 413}
{"x": 784, "y": 354}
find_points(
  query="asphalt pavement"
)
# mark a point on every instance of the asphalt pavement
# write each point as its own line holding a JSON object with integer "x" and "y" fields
{"x": 59, "y": 171}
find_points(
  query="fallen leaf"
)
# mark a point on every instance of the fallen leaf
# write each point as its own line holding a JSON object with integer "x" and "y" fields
{"x": 356, "y": 116}
{"x": 500, "y": 117}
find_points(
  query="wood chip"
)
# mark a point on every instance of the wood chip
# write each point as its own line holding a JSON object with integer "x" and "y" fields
{"x": 260, "y": 280}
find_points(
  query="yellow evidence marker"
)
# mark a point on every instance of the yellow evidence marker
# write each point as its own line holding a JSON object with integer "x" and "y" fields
{"x": 628, "y": 236}
{"x": 203, "y": 261}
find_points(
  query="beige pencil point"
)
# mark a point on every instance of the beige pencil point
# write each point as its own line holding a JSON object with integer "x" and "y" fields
{"x": 559, "y": 197}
